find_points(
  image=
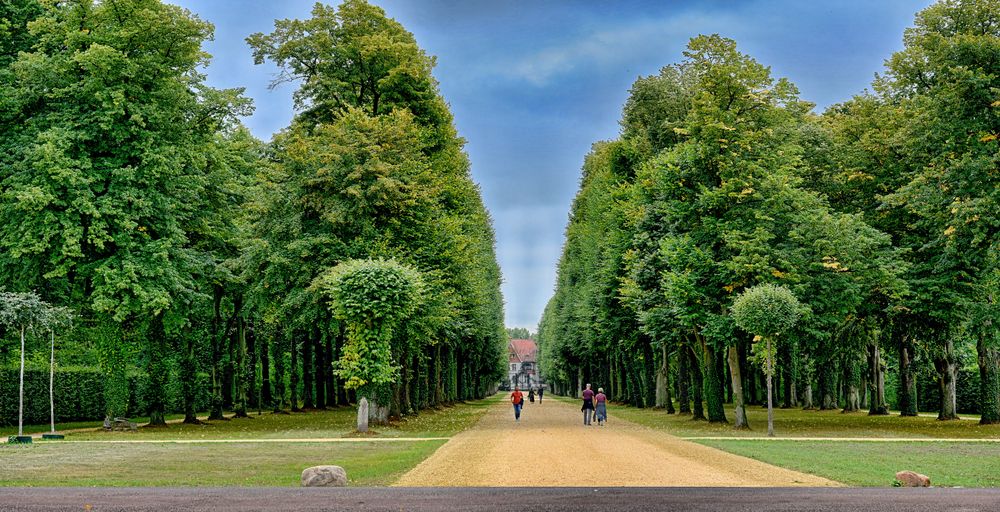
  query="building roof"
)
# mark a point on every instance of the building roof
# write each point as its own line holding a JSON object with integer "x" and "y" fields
{"x": 523, "y": 351}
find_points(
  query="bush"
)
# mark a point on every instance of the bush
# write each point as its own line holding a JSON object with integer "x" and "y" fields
{"x": 79, "y": 394}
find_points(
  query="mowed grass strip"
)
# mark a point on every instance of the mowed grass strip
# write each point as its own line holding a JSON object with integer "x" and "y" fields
{"x": 442, "y": 421}
{"x": 243, "y": 464}
{"x": 872, "y": 464}
{"x": 812, "y": 423}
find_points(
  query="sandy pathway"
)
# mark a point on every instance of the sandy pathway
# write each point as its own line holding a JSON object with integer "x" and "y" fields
{"x": 551, "y": 447}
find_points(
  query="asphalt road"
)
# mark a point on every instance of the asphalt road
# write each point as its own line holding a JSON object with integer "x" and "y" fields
{"x": 236, "y": 499}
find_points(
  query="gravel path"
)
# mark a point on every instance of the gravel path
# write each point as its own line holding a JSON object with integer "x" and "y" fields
{"x": 550, "y": 446}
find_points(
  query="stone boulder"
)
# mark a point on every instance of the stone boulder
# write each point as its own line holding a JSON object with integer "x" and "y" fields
{"x": 911, "y": 479}
{"x": 324, "y": 476}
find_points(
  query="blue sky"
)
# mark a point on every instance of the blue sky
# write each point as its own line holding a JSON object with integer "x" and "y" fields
{"x": 533, "y": 84}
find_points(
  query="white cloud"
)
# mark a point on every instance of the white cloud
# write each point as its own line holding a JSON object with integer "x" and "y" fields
{"x": 618, "y": 45}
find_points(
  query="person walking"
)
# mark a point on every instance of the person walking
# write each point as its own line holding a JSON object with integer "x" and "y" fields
{"x": 588, "y": 405}
{"x": 601, "y": 407}
{"x": 531, "y": 395}
{"x": 517, "y": 398}
{"x": 541, "y": 391}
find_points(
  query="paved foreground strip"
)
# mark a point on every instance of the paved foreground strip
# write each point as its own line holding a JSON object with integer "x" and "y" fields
{"x": 550, "y": 447}
{"x": 234, "y": 499}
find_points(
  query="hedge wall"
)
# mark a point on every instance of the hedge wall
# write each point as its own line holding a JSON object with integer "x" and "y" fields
{"x": 79, "y": 395}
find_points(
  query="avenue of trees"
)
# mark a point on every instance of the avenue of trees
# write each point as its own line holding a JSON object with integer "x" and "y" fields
{"x": 197, "y": 260}
{"x": 879, "y": 215}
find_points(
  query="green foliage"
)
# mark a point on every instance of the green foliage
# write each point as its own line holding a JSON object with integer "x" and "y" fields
{"x": 81, "y": 394}
{"x": 766, "y": 310}
{"x": 371, "y": 168}
{"x": 373, "y": 297}
{"x": 101, "y": 147}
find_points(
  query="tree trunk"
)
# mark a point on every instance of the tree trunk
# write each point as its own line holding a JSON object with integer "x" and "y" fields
{"x": 307, "y": 372}
{"x": 241, "y": 371}
{"x": 280, "y": 370}
{"x": 770, "y": 405}
{"x": 737, "y": 378}
{"x": 648, "y": 372}
{"x": 807, "y": 375}
{"x": 331, "y": 379}
{"x": 188, "y": 379}
{"x": 852, "y": 375}
{"x": 662, "y": 381}
{"x": 319, "y": 379}
{"x": 907, "y": 380}
{"x": 52, "y": 381}
{"x": 342, "y": 395}
{"x": 683, "y": 381}
{"x": 697, "y": 384}
{"x": 826, "y": 385}
{"x": 217, "y": 372}
{"x": 20, "y": 391}
{"x": 876, "y": 376}
{"x": 250, "y": 365}
{"x": 439, "y": 395}
{"x": 787, "y": 369}
{"x": 989, "y": 383}
{"x": 664, "y": 386}
{"x": 947, "y": 366}
{"x": 294, "y": 384}
{"x": 266, "y": 395}
{"x": 156, "y": 369}
{"x": 713, "y": 383}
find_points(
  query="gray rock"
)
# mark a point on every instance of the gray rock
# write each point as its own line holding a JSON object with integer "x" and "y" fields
{"x": 911, "y": 479}
{"x": 324, "y": 476}
{"x": 363, "y": 415}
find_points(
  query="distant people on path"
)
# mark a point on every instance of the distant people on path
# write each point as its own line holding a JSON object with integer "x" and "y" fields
{"x": 588, "y": 404}
{"x": 517, "y": 398}
{"x": 601, "y": 407}
{"x": 531, "y": 395}
{"x": 541, "y": 391}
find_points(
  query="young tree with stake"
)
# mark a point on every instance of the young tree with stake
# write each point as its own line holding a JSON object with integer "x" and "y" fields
{"x": 767, "y": 311}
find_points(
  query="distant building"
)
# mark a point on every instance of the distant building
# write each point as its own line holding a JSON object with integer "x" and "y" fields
{"x": 523, "y": 364}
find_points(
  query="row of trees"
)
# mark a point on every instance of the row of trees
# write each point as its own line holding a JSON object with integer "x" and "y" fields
{"x": 881, "y": 216}
{"x": 131, "y": 193}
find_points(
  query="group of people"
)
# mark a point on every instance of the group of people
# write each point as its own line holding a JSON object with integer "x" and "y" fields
{"x": 595, "y": 405}
{"x": 517, "y": 398}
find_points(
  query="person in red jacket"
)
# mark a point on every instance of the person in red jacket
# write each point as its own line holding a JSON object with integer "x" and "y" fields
{"x": 517, "y": 398}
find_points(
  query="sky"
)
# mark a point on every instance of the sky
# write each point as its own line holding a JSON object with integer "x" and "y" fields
{"x": 533, "y": 84}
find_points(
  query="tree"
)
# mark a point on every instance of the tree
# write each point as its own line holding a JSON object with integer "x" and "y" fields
{"x": 373, "y": 297}
{"x": 767, "y": 311}
{"x": 27, "y": 311}
{"x": 371, "y": 168}
{"x": 104, "y": 138}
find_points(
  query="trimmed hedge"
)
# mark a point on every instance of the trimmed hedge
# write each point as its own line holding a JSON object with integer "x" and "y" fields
{"x": 79, "y": 394}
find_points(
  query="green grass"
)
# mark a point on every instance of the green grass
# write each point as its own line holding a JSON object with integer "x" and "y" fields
{"x": 241, "y": 464}
{"x": 858, "y": 463}
{"x": 874, "y": 464}
{"x": 10, "y": 430}
{"x": 339, "y": 422}
{"x": 69, "y": 463}
{"x": 813, "y": 423}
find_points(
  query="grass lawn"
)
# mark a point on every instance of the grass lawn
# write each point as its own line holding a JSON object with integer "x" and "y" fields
{"x": 798, "y": 423}
{"x": 238, "y": 464}
{"x": 69, "y": 463}
{"x": 874, "y": 464}
{"x": 339, "y": 422}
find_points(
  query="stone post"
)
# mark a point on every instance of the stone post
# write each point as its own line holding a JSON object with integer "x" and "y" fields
{"x": 363, "y": 415}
